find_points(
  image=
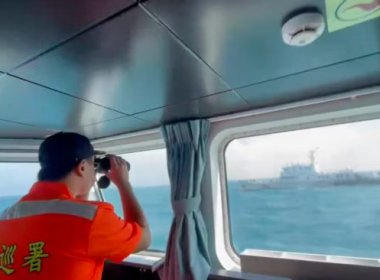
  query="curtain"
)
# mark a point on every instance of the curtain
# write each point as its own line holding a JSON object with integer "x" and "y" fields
{"x": 187, "y": 254}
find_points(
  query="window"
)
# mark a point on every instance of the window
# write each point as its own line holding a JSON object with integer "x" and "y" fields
{"x": 312, "y": 191}
{"x": 150, "y": 182}
{"x": 16, "y": 180}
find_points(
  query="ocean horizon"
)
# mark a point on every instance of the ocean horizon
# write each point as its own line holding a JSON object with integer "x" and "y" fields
{"x": 318, "y": 220}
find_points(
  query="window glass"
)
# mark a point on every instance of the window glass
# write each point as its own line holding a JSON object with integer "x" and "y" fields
{"x": 150, "y": 182}
{"x": 311, "y": 191}
{"x": 16, "y": 180}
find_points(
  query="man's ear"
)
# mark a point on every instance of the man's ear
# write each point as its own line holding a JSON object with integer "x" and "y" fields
{"x": 79, "y": 169}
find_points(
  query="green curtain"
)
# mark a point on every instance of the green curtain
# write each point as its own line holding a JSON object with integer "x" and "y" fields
{"x": 187, "y": 254}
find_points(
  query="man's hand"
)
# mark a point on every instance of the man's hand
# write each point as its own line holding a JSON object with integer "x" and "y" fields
{"x": 118, "y": 173}
{"x": 83, "y": 196}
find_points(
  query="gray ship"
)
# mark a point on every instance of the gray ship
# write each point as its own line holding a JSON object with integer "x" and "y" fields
{"x": 305, "y": 175}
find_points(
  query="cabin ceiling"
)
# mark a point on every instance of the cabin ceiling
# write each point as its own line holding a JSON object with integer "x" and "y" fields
{"x": 104, "y": 68}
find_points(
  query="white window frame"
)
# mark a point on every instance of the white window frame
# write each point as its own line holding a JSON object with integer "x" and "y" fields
{"x": 343, "y": 108}
{"x": 347, "y": 107}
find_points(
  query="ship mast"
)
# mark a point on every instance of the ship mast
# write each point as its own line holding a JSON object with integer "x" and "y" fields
{"x": 312, "y": 156}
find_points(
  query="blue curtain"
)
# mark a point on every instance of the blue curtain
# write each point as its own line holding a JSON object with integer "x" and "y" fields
{"x": 187, "y": 252}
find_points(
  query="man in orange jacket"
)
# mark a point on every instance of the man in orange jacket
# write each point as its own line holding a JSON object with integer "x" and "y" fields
{"x": 54, "y": 233}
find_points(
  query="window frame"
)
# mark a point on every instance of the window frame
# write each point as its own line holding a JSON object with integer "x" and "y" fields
{"x": 353, "y": 106}
{"x": 349, "y": 107}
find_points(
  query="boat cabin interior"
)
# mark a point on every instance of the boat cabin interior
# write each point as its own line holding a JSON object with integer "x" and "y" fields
{"x": 189, "y": 90}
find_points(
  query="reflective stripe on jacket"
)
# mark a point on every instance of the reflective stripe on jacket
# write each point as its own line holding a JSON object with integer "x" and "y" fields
{"x": 51, "y": 235}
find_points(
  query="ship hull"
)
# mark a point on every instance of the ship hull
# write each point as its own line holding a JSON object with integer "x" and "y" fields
{"x": 263, "y": 184}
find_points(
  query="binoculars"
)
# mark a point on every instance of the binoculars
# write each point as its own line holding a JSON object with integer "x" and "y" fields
{"x": 102, "y": 166}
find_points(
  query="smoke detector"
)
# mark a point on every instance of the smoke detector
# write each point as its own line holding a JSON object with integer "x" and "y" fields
{"x": 303, "y": 29}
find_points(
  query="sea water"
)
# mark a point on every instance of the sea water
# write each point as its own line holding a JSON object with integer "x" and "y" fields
{"x": 342, "y": 220}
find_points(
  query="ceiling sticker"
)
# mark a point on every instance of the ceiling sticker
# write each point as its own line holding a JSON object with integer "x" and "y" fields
{"x": 345, "y": 13}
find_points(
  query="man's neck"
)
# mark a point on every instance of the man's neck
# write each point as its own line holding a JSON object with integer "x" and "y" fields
{"x": 71, "y": 186}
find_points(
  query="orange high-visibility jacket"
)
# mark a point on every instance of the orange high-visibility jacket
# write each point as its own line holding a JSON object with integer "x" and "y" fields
{"x": 50, "y": 235}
